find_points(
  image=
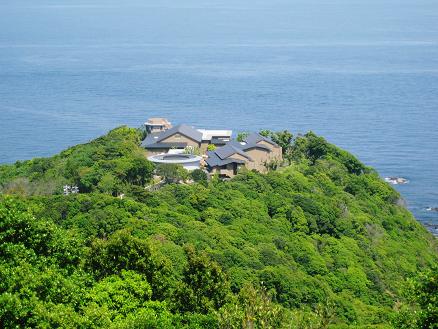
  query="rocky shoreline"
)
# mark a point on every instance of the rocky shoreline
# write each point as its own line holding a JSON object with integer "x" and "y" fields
{"x": 433, "y": 228}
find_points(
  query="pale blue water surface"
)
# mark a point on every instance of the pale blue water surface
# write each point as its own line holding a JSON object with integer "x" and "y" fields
{"x": 364, "y": 74}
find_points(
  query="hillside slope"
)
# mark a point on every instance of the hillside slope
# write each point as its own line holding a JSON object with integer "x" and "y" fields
{"x": 323, "y": 242}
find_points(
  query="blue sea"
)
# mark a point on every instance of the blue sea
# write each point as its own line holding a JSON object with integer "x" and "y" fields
{"x": 364, "y": 74}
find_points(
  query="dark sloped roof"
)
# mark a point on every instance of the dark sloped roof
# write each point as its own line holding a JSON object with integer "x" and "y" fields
{"x": 247, "y": 146}
{"x": 228, "y": 150}
{"x": 214, "y": 160}
{"x": 183, "y": 130}
{"x": 254, "y": 138}
{"x": 150, "y": 139}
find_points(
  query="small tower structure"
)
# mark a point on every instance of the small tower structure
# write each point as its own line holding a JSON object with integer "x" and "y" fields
{"x": 156, "y": 125}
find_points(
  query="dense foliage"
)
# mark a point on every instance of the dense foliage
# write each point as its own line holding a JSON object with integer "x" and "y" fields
{"x": 421, "y": 311}
{"x": 109, "y": 164}
{"x": 323, "y": 242}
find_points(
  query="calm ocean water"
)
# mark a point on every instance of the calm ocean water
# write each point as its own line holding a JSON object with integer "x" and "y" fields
{"x": 364, "y": 74}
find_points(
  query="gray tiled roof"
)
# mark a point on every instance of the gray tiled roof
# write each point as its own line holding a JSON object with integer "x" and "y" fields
{"x": 183, "y": 130}
{"x": 246, "y": 146}
{"x": 214, "y": 160}
{"x": 150, "y": 139}
{"x": 227, "y": 150}
{"x": 154, "y": 140}
{"x": 221, "y": 156}
{"x": 254, "y": 138}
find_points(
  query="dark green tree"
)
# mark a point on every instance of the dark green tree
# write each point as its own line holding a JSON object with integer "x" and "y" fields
{"x": 199, "y": 176}
{"x": 123, "y": 251}
{"x": 140, "y": 171}
{"x": 422, "y": 293}
{"x": 204, "y": 286}
{"x": 172, "y": 173}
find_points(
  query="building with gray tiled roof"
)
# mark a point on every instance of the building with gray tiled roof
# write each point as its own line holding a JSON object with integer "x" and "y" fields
{"x": 256, "y": 152}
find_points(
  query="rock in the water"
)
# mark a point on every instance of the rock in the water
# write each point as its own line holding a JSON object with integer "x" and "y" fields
{"x": 432, "y": 209}
{"x": 396, "y": 180}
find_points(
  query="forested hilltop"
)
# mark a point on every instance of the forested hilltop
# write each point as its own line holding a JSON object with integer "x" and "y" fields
{"x": 322, "y": 242}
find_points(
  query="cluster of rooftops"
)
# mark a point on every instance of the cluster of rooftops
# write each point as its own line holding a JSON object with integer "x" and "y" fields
{"x": 217, "y": 151}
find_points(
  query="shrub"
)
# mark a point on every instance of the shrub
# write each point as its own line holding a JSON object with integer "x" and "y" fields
{"x": 199, "y": 176}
